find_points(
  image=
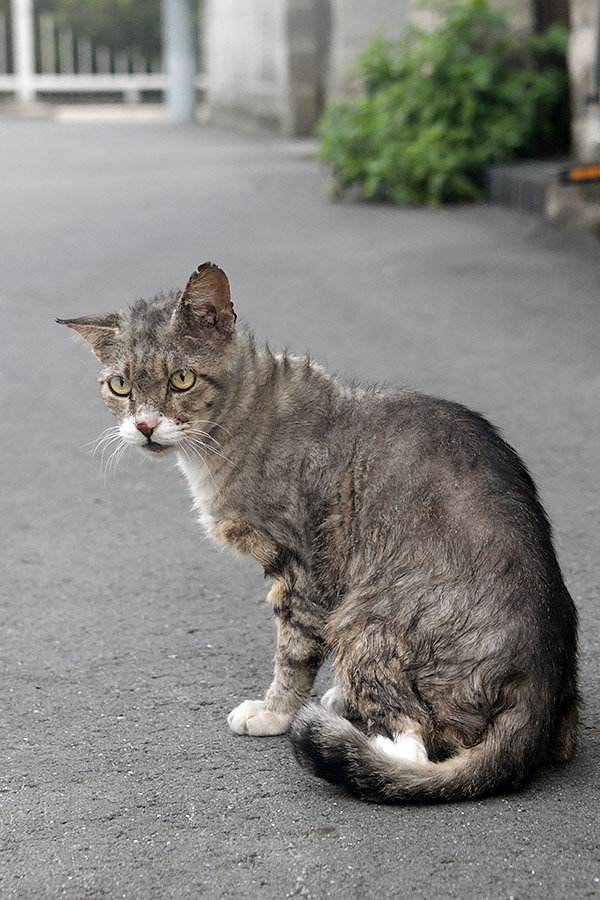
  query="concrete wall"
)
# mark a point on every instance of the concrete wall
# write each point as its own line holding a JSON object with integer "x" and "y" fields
{"x": 265, "y": 61}
{"x": 276, "y": 62}
{"x": 519, "y": 12}
{"x": 245, "y": 56}
{"x": 308, "y": 35}
{"x": 582, "y": 68}
{"x": 354, "y": 22}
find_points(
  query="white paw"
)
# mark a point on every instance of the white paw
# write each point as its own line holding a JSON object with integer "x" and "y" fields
{"x": 250, "y": 717}
{"x": 333, "y": 701}
{"x": 407, "y": 747}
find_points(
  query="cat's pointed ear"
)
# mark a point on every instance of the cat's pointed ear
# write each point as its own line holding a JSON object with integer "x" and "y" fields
{"x": 99, "y": 331}
{"x": 205, "y": 308}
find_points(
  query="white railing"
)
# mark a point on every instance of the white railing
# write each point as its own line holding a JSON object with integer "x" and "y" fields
{"x": 69, "y": 64}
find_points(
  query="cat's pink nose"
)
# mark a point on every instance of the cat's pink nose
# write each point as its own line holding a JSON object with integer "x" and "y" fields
{"x": 145, "y": 428}
{"x": 147, "y": 422}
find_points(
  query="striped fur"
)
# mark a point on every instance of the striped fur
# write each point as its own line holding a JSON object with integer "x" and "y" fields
{"x": 403, "y": 536}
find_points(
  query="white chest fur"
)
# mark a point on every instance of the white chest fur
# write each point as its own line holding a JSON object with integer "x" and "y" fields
{"x": 202, "y": 489}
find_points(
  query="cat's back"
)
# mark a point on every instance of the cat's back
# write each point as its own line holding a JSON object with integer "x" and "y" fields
{"x": 428, "y": 469}
{"x": 408, "y": 429}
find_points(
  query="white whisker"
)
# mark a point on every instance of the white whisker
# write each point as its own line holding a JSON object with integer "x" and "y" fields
{"x": 109, "y": 447}
{"x": 106, "y": 438}
{"x": 198, "y": 442}
{"x": 192, "y": 445}
{"x": 102, "y": 445}
{"x": 215, "y": 425}
{"x": 98, "y": 440}
{"x": 197, "y": 431}
{"x": 105, "y": 446}
{"x": 109, "y": 468}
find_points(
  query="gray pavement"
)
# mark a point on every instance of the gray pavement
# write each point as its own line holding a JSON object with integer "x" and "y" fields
{"x": 126, "y": 638}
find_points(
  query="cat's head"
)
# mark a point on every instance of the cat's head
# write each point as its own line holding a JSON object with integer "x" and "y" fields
{"x": 165, "y": 361}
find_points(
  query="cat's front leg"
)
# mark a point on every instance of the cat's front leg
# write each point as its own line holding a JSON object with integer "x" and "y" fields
{"x": 251, "y": 717}
{"x": 300, "y": 652}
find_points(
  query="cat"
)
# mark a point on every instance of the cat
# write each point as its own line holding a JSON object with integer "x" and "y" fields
{"x": 402, "y": 535}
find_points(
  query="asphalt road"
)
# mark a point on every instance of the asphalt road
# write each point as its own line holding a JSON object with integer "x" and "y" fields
{"x": 126, "y": 638}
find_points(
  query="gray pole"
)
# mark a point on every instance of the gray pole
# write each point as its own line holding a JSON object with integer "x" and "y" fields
{"x": 179, "y": 56}
{"x": 23, "y": 48}
{"x": 598, "y": 52}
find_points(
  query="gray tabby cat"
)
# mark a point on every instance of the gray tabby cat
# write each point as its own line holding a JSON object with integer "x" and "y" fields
{"x": 402, "y": 535}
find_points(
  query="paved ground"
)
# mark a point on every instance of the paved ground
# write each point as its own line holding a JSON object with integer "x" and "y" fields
{"x": 126, "y": 639}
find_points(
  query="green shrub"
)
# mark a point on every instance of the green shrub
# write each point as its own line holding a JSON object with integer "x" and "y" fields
{"x": 438, "y": 107}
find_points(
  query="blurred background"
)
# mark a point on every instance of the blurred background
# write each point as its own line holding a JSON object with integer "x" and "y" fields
{"x": 280, "y": 65}
{"x": 270, "y": 63}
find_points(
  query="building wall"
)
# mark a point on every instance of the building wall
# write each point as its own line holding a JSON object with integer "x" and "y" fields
{"x": 582, "y": 68}
{"x": 308, "y": 34}
{"x": 265, "y": 61}
{"x": 276, "y": 62}
{"x": 354, "y": 22}
{"x": 519, "y": 12}
{"x": 245, "y": 56}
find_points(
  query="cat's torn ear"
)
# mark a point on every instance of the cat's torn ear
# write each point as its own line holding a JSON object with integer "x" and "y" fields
{"x": 99, "y": 331}
{"x": 205, "y": 306}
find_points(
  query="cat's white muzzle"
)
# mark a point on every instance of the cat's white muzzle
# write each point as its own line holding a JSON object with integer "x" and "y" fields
{"x": 154, "y": 434}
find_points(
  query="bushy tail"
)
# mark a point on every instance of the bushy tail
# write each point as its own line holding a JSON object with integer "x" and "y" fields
{"x": 332, "y": 748}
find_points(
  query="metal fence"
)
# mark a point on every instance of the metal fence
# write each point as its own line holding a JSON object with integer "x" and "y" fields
{"x": 37, "y": 58}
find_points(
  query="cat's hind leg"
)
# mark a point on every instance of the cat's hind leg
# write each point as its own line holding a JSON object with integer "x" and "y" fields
{"x": 333, "y": 700}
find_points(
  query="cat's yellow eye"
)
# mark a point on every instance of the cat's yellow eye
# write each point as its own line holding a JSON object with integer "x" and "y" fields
{"x": 119, "y": 386}
{"x": 182, "y": 379}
